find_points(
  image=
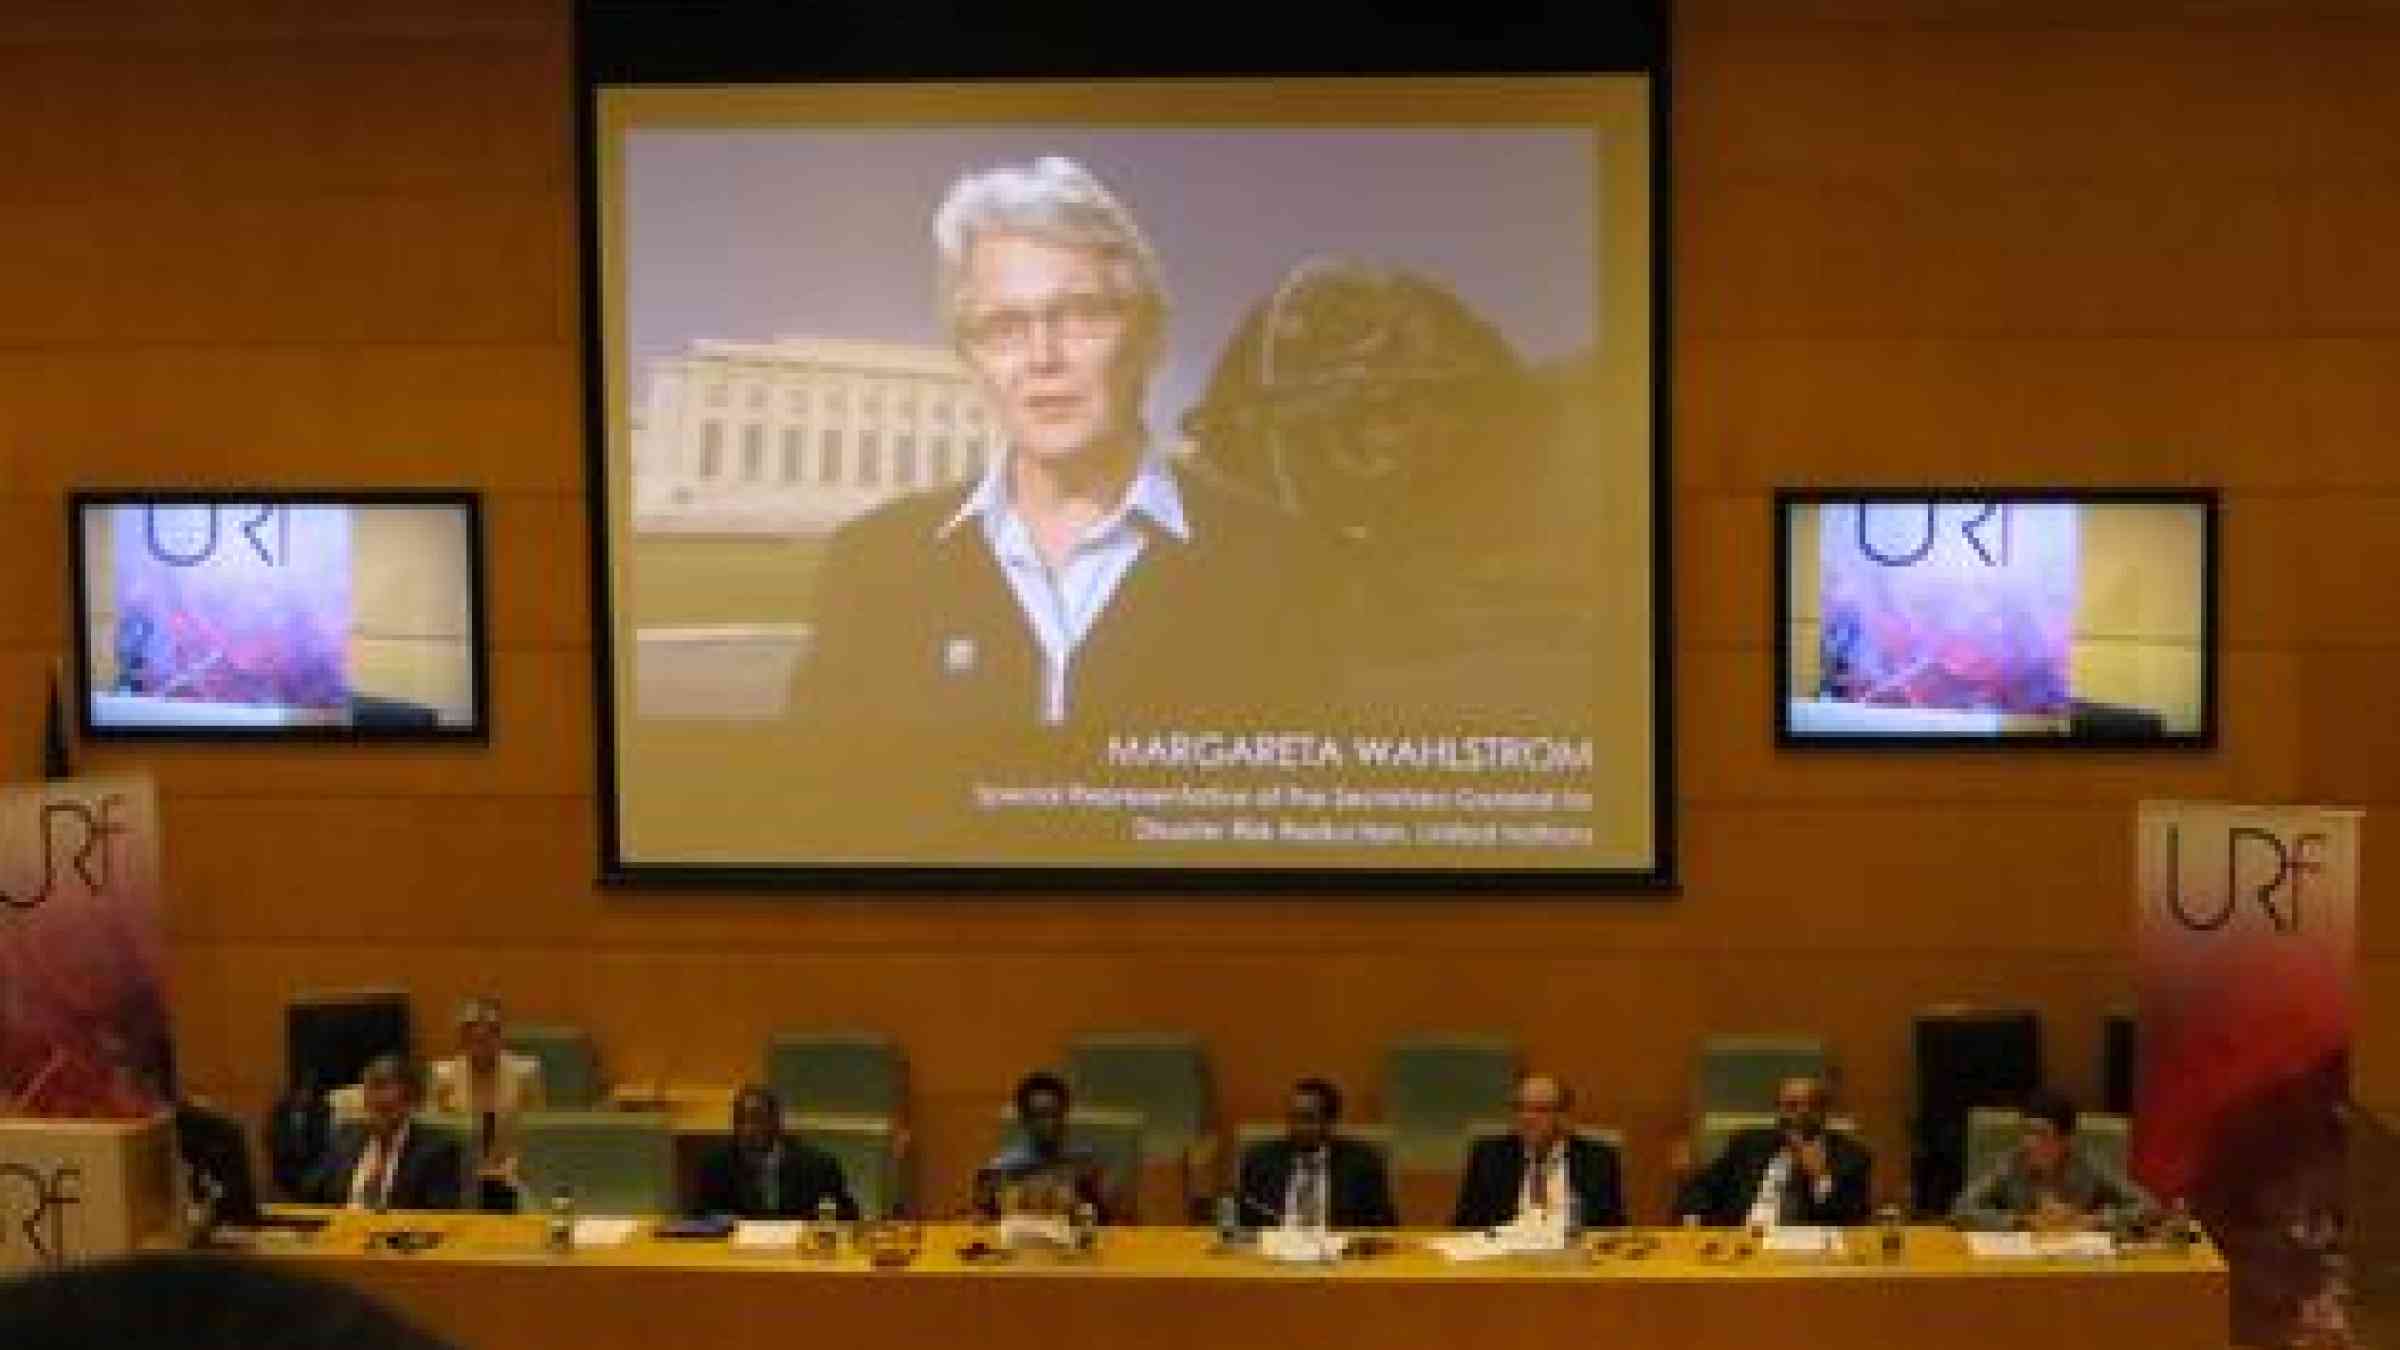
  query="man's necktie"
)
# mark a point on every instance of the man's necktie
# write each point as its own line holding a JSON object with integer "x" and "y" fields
{"x": 1308, "y": 1196}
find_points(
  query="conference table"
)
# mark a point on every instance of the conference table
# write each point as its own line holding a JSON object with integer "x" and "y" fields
{"x": 489, "y": 1283}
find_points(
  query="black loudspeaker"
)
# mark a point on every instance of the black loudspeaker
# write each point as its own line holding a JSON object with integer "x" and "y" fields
{"x": 329, "y": 1038}
{"x": 1966, "y": 1057}
{"x": 2117, "y": 1063}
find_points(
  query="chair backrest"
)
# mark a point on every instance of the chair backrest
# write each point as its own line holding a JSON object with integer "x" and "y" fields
{"x": 1251, "y": 1133}
{"x": 615, "y": 1162}
{"x": 1741, "y": 1073}
{"x": 1434, "y": 1087}
{"x": 456, "y": 1128}
{"x": 1115, "y": 1138}
{"x": 867, "y": 1151}
{"x": 1993, "y": 1130}
{"x": 570, "y": 1065}
{"x": 1719, "y": 1127}
{"x": 845, "y": 1073}
{"x": 1163, "y": 1075}
{"x": 2106, "y": 1136}
{"x": 1493, "y": 1127}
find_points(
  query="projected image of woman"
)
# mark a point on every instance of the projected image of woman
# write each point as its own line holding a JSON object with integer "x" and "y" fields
{"x": 1082, "y": 580}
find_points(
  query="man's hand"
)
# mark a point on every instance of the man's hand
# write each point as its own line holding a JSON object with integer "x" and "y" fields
{"x": 1811, "y": 1157}
{"x": 2053, "y": 1215}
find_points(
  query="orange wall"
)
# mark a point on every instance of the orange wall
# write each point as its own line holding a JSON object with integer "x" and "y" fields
{"x": 1913, "y": 239}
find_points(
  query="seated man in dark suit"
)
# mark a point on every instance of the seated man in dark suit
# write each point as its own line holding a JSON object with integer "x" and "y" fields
{"x": 1541, "y": 1168}
{"x": 762, "y": 1174}
{"x": 1792, "y": 1172}
{"x": 1312, "y": 1177}
{"x": 1044, "y": 1173}
{"x": 385, "y": 1162}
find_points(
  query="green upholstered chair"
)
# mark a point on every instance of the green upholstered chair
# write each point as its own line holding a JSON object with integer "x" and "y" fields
{"x": 1993, "y": 1130}
{"x": 1251, "y": 1133}
{"x": 867, "y": 1147}
{"x": 1162, "y": 1075}
{"x": 615, "y": 1162}
{"x": 570, "y": 1065}
{"x": 1434, "y": 1087}
{"x": 458, "y": 1130}
{"x": 841, "y": 1073}
{"x": 1741, "y": 1073}
{"x": 1717, "y": 1127}
{"x": 1494, "y": 1126}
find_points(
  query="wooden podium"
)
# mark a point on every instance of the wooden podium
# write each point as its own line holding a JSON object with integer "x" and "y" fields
{"x": 80, "y": 1190}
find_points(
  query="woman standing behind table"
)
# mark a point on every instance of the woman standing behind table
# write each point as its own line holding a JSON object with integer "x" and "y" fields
{"x": 492, "y": 1089}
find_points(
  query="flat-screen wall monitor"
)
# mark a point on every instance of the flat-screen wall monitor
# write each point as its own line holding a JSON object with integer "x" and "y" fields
{"x": 1127, "y": 481}
{"x": 1989, "y": 617}
{"x": 254, "y": 615}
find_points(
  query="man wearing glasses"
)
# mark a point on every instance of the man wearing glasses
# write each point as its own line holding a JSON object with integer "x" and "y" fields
{"x": 1082, "y": 582}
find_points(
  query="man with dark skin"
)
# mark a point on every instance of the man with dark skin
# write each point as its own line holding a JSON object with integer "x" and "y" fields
{"x": 761, "y": 1173}
{"x": 1312, "y": 1175}
{"x": 1045, "y": 1171}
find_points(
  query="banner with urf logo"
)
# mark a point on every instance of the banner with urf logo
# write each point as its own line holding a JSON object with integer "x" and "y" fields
{"x": 83, "y": 1011}
{"x": 2247, "y": 943}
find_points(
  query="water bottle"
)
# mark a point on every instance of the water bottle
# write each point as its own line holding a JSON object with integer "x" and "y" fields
{"x": 1574, "y": 1218}
{"x": 2180, "y": 1228}
{"x": 825, "y": 1236}
{"x": 1229, "y": 1221}
{"x": 1084, "y": 1226}
{"x": 558, "y": 1231}
{"x": 1890, "y": 1238}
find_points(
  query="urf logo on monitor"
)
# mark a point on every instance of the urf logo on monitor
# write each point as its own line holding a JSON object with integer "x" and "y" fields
{"x": 1994, "y": 517}
{"x": 187, "y": 536}
{"x": 2274, "y": 871}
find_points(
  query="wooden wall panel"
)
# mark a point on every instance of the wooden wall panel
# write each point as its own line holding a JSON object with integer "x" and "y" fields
{"x": 32, "y": 545}
{"x": 2348, "y": 399}
{"x": 285, "y": 243}
{"x": 1779, "y": 411}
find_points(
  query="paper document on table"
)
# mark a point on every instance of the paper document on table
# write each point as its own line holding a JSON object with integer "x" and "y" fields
{"x": 2075, "y": 1246}
{"x": 1467, "y": 1246}
{"x": 1804, "y": 1241}
{"x": 768, "y": 1234}
{"x": 2013, "y": 1246}
{"x": 1300, "y": 1245}
{"x": 604, "y": 1232}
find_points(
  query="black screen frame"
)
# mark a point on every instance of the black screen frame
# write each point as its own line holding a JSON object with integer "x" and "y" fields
{"x": 634, "y": 43}
{"x": 476, "y": 731}
{"x": 2207, "y": 500}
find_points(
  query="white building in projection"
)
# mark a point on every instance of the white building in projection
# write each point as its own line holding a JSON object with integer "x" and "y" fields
{"x": 799, "y": 434}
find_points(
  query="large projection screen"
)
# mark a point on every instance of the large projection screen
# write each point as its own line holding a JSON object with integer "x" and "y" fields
{"x": 1147, "y": 480}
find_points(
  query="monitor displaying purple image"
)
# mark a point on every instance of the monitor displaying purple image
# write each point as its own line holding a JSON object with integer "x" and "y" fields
{"x": 273, "y": 614}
